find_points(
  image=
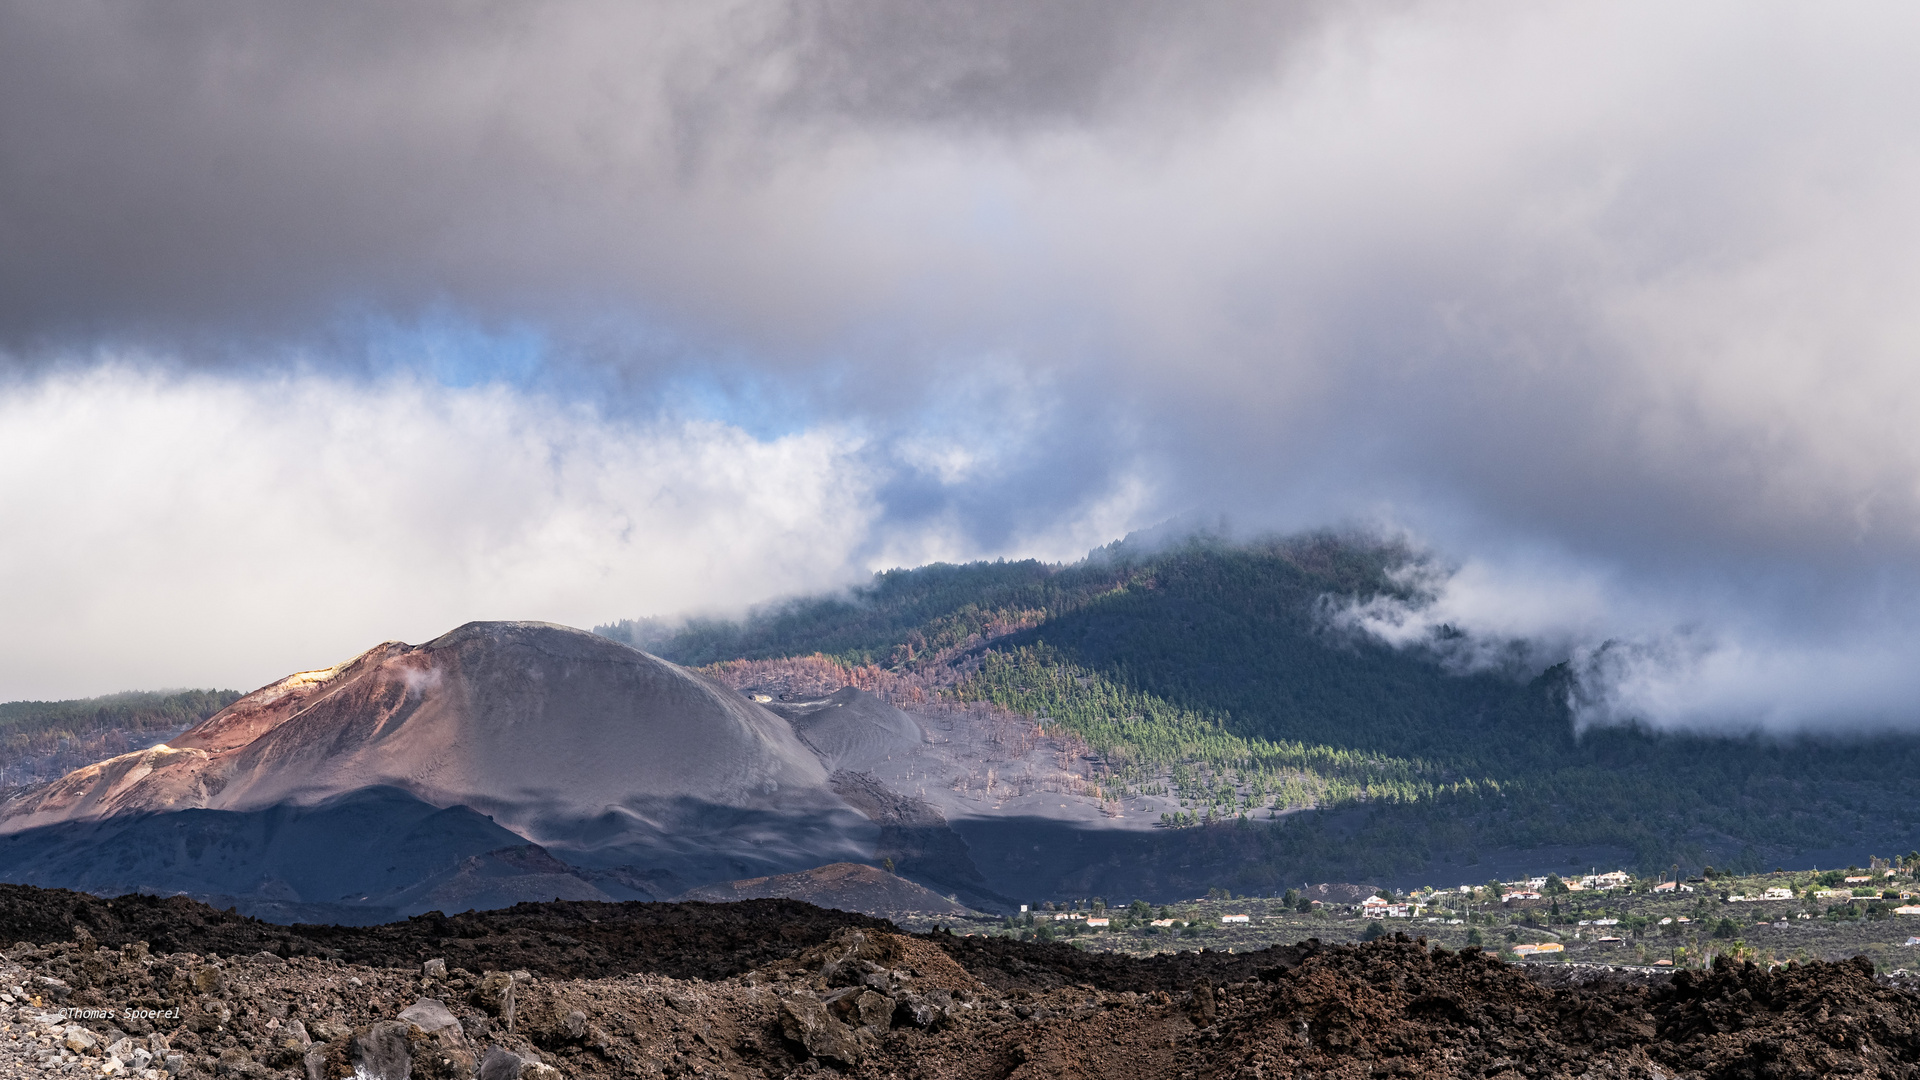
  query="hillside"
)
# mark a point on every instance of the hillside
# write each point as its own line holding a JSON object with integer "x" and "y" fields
{"x": 415, "y": 776}
{"x": 840, "y": 887}
{"x": 44, "y": 740}
{"x": 1209, "y": 670}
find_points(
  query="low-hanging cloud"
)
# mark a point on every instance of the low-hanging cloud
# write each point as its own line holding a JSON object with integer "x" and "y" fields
{"x": 1626, "y": 283}
{"x": 1641, "y": 655}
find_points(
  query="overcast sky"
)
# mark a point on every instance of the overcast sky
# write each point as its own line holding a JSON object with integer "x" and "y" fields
{"x": 328, "y": 324}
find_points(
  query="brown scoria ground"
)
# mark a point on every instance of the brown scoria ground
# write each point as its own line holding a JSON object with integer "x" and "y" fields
{"x": 875, "y": 1004}
{"x": 865, "y": 1001}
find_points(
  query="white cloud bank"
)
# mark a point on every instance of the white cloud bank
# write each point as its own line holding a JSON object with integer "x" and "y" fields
{"x": 1643, "y": 656}
{"x": 169, "y": 530}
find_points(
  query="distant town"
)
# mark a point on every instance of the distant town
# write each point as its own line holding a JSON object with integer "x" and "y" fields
{"x": 1611, "y": 916}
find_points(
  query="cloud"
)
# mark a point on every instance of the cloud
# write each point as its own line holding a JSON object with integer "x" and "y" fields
{"x": 168, "y": 529}
{"x": 1674, "y": 658}
{"x": 1625, "y": 284}
{"x": 1861, "y": 682}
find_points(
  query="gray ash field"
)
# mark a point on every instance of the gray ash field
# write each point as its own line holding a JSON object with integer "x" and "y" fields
{"x": 838, "y": 994}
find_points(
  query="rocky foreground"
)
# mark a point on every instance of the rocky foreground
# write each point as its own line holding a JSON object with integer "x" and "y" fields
{"x": 873, "y": 1003}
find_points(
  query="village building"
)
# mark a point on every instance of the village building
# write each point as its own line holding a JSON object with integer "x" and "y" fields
{"x": 1375, "y": 907}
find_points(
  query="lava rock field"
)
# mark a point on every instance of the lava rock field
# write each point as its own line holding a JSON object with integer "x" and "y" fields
{"x": 775, "y": 989}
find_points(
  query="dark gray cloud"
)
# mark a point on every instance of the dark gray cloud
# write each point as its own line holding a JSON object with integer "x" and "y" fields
{"x": 1002, "y": 65}
{"x": 214, "y": 166}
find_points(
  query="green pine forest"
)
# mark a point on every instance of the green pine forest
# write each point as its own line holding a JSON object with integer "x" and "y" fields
{"x": 41, "y": 740}
{"x": 1209, "y": 669}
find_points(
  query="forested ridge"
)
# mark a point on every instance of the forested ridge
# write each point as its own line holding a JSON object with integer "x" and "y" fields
{"x": 1213, "y": 668}
{"x": 43, "y": 740}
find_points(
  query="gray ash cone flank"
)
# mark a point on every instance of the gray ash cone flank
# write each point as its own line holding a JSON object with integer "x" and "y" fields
{"x": 851, "y": 729}
{"x": 531, "y": 717}
{"x": 603, "y": 754}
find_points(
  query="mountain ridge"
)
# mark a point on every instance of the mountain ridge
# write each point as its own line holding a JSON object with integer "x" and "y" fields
{"x": 1223, "y": 647}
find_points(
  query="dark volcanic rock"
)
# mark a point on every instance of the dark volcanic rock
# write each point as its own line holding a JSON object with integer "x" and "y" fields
{"x": 871, "y": 1003}
{"x": 570, "y": 939}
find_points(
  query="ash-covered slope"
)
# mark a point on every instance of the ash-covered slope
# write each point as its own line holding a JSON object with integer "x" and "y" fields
{"x": 851, "y": 729}
{"x": 603, "y": 754}
{"x": 842, "y": 886}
